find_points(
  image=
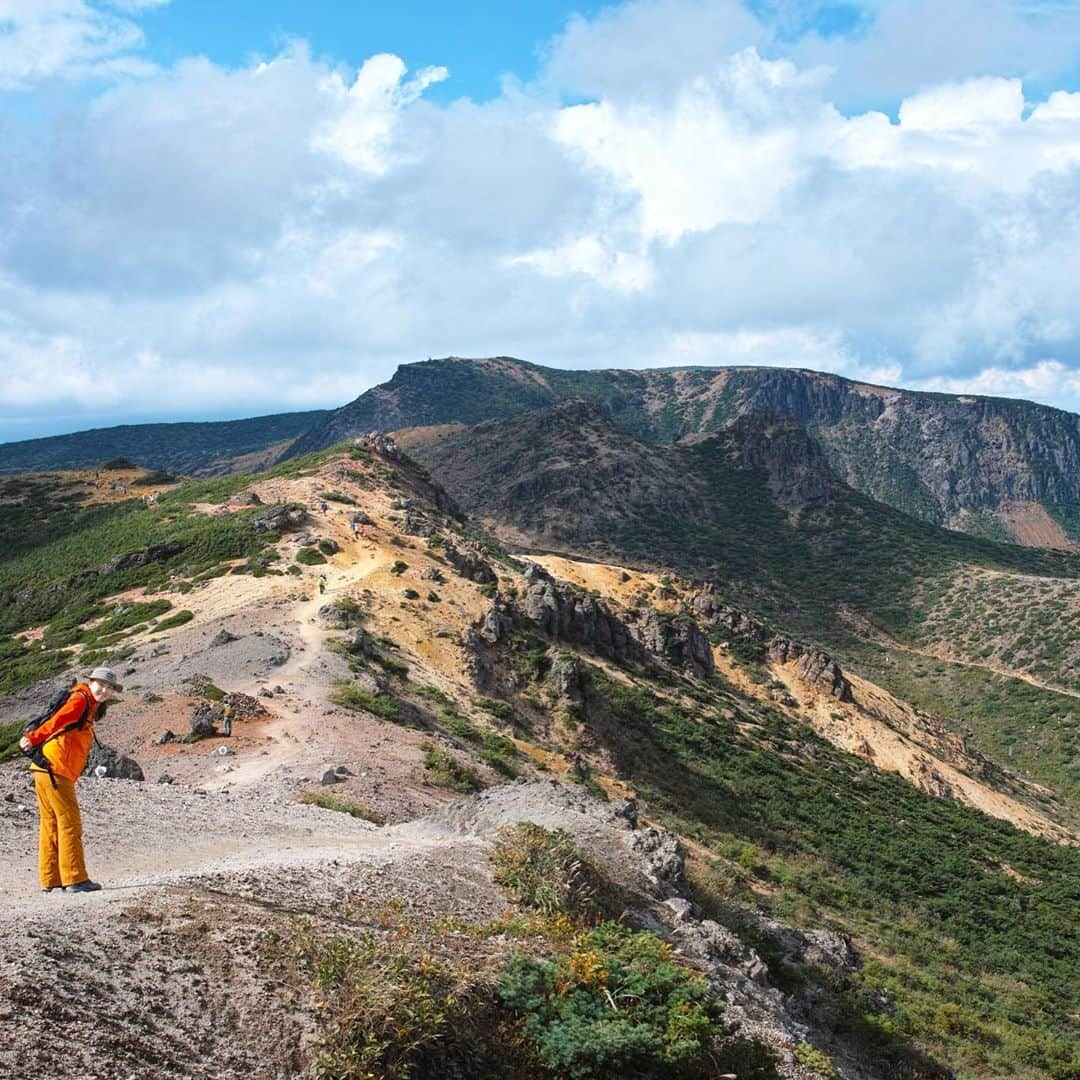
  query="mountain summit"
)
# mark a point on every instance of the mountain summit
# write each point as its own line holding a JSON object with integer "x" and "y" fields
{"x": 995, "y": 467}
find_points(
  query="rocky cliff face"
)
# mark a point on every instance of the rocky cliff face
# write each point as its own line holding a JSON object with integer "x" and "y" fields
{"x": 570, "y": 616}
{"x": 951, "y": 459}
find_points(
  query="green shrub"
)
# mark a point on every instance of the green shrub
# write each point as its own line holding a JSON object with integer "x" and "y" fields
{"x": 615, "y": 1005}
{"x": 357, "y": 698}
{"x": 812, "y": 1058}
{"x": 443, "y": 769}
{"x": 399, "y": 567}
{"x": 327, "y": 547}
{"x": 499, "y": 709}
{"x": 308, "y": 556}
{"x": 173, "y": 621}
{"x": 410, "y": 594}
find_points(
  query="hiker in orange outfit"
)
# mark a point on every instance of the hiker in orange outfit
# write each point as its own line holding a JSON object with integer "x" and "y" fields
{"x": 58, "y": 750}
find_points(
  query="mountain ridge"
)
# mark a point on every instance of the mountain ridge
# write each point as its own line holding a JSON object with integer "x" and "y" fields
{"x": 1005, "y": 468}
{"x": 183, "y": 446}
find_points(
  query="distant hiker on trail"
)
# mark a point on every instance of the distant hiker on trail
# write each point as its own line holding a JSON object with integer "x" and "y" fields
{"x": 322, "y": 584}
{"x": 58, "y": 746}
{"x": 323, "y": 506}
{"x": 227, "y": 719}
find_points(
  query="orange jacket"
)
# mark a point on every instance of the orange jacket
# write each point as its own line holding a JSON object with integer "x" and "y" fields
{"x": 67, "y": 753}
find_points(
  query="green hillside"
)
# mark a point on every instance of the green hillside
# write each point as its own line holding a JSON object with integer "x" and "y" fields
{"x": 184, "y": 448}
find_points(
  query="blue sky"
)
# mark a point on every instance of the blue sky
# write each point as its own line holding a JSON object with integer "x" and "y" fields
{"x": 207, "y": 217}
{"x": 478, "y": 42}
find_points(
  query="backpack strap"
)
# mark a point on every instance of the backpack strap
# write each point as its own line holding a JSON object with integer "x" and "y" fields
{"x": 37, "y": 754}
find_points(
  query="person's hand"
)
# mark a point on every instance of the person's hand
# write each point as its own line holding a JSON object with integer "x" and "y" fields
{"x": 24, "y": 743}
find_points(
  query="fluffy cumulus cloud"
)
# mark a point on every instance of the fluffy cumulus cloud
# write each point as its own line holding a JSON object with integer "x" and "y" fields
{"x": 684, "y": 182}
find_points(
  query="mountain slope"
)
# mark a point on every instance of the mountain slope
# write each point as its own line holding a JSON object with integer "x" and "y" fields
{"x": 757, "y": 511}
{"x": 436, "y": 663}
{"x": 999, "y": 467}
{"x": 184, "y": 447}
{"x": 755, "y": 506}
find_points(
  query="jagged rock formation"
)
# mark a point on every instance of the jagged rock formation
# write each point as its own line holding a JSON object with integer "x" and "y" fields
{"x": 813, "y": 666}
{"x": 568, "y": 615}
{"x": 469, "y": 563}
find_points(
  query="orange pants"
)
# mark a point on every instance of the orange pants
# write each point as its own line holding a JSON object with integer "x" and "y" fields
{"x": 60, "y": 847}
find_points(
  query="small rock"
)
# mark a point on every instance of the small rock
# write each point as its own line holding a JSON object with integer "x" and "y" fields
{"x": 331, "y": 777}
{"x": 164, "y": 778}
{"x": 343, "y": 770}
{"x": 222, "y": 637}
{"x": 165, "y": 737}
{"x": 222, "y": 751}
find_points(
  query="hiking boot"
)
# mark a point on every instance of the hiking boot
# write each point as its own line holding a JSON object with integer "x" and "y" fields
{"x": 52, "y": 888}
{"x": 83, "y": 886}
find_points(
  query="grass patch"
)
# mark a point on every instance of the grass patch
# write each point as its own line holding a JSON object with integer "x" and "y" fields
{"x": 545, "y": 870}
{"x": 327, "y": 800}
{"x": 309, "y": 556}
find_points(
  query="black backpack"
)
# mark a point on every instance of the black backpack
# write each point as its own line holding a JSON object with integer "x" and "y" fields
{"x": 37, "y": 753}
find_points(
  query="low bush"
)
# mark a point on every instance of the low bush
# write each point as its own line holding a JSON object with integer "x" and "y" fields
{"x": 498, "y": 709}
{"x": 357, "y": 698}
{"x": 397, "y": 1012}
{"x": 443, "y": 769}
{"x": 338, "y": 497}
{"x": 616, "y": 1004}
{"x": 173, "y": 621}
{"x": 308, "y": 556}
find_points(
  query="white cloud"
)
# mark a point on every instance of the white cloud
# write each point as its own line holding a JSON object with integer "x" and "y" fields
{"x": 71, "y": 39}
{"x": 283, "y": 234}
{"x": 361, "y": 131}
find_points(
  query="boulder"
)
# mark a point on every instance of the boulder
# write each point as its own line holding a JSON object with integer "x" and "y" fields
{"x": 222, "y": 637}
{"x": 341, "y": 614}
{"x": 165, "y": 737}
{"x": 201, "y": 721}
{"x": 133, "y": 559}
{"x": 331, "y": 777}
{"x": 287, "y": 517}
{"x": 115, "y": 764}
